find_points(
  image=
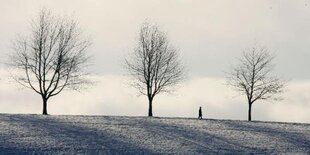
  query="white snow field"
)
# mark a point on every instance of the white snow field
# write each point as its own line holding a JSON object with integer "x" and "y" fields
{"x": 38, "y": 134}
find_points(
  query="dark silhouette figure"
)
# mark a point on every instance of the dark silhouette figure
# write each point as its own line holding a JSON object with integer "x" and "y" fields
{"x": 200, "y": 113}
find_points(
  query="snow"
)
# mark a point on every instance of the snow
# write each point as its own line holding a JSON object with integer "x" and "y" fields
{"x": 38, "y": 134}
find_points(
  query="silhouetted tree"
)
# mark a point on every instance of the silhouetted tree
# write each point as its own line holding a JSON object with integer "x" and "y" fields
{"x": 252, "y": 77}
{"x": 154, "y": 64}
{"x": 52, "y": 57}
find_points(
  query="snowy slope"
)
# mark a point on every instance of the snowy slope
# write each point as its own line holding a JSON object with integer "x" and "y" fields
{"x": 37, "y": 134}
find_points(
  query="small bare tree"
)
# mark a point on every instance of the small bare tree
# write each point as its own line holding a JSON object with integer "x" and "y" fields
{"x": 51, "y": 58}
{"x": 253, "y": 78}
{"x": 154, "y": 64}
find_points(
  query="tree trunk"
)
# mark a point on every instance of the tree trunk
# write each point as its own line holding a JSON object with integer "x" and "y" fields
{"x": 150, "y": 107}
{"x": 250, "y": 112}
{"x": 44, "y": 106}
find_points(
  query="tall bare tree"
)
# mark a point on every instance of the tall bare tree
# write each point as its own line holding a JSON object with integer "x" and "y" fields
{"x": 154, "y": 64}
{"x": 52, "y": 57}
{"x": 252, "y": 77}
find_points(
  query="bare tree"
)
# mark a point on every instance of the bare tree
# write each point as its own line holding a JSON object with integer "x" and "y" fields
{"x": 52, "y": 57}
{"x": 154, "y": 64}
{"x": 253, "y": 78}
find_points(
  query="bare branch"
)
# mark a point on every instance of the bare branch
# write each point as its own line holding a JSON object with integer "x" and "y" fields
{"x": 252, "y": 77}
{"x": 53, "y": 56}
{"x": 154, "y": 64}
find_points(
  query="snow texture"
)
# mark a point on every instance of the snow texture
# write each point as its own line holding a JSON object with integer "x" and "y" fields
{"x": 38, "y": 134}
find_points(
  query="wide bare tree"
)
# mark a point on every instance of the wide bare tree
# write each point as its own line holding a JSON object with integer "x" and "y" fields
{"x": 253, "y": 78}
{"x": 52, "y": 57}
{"x": 154, "y": 64}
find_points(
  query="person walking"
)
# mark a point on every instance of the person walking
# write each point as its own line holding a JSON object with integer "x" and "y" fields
{"x": 200, "y": 113}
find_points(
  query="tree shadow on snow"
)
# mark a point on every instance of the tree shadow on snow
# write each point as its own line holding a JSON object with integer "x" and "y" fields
{"x": 297, "y": 140}
{"x": 66, "y": 138}
{"x": 200, "y": 142}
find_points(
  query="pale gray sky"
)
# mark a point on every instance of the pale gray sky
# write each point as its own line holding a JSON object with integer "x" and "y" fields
{"x": 209, "y": 35}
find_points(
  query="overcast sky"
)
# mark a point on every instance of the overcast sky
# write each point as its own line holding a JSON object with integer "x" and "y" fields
{"x": 210, "y": 35}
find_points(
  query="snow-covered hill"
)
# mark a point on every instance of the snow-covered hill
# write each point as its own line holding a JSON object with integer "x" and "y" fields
{"x": 37, "y": 134}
